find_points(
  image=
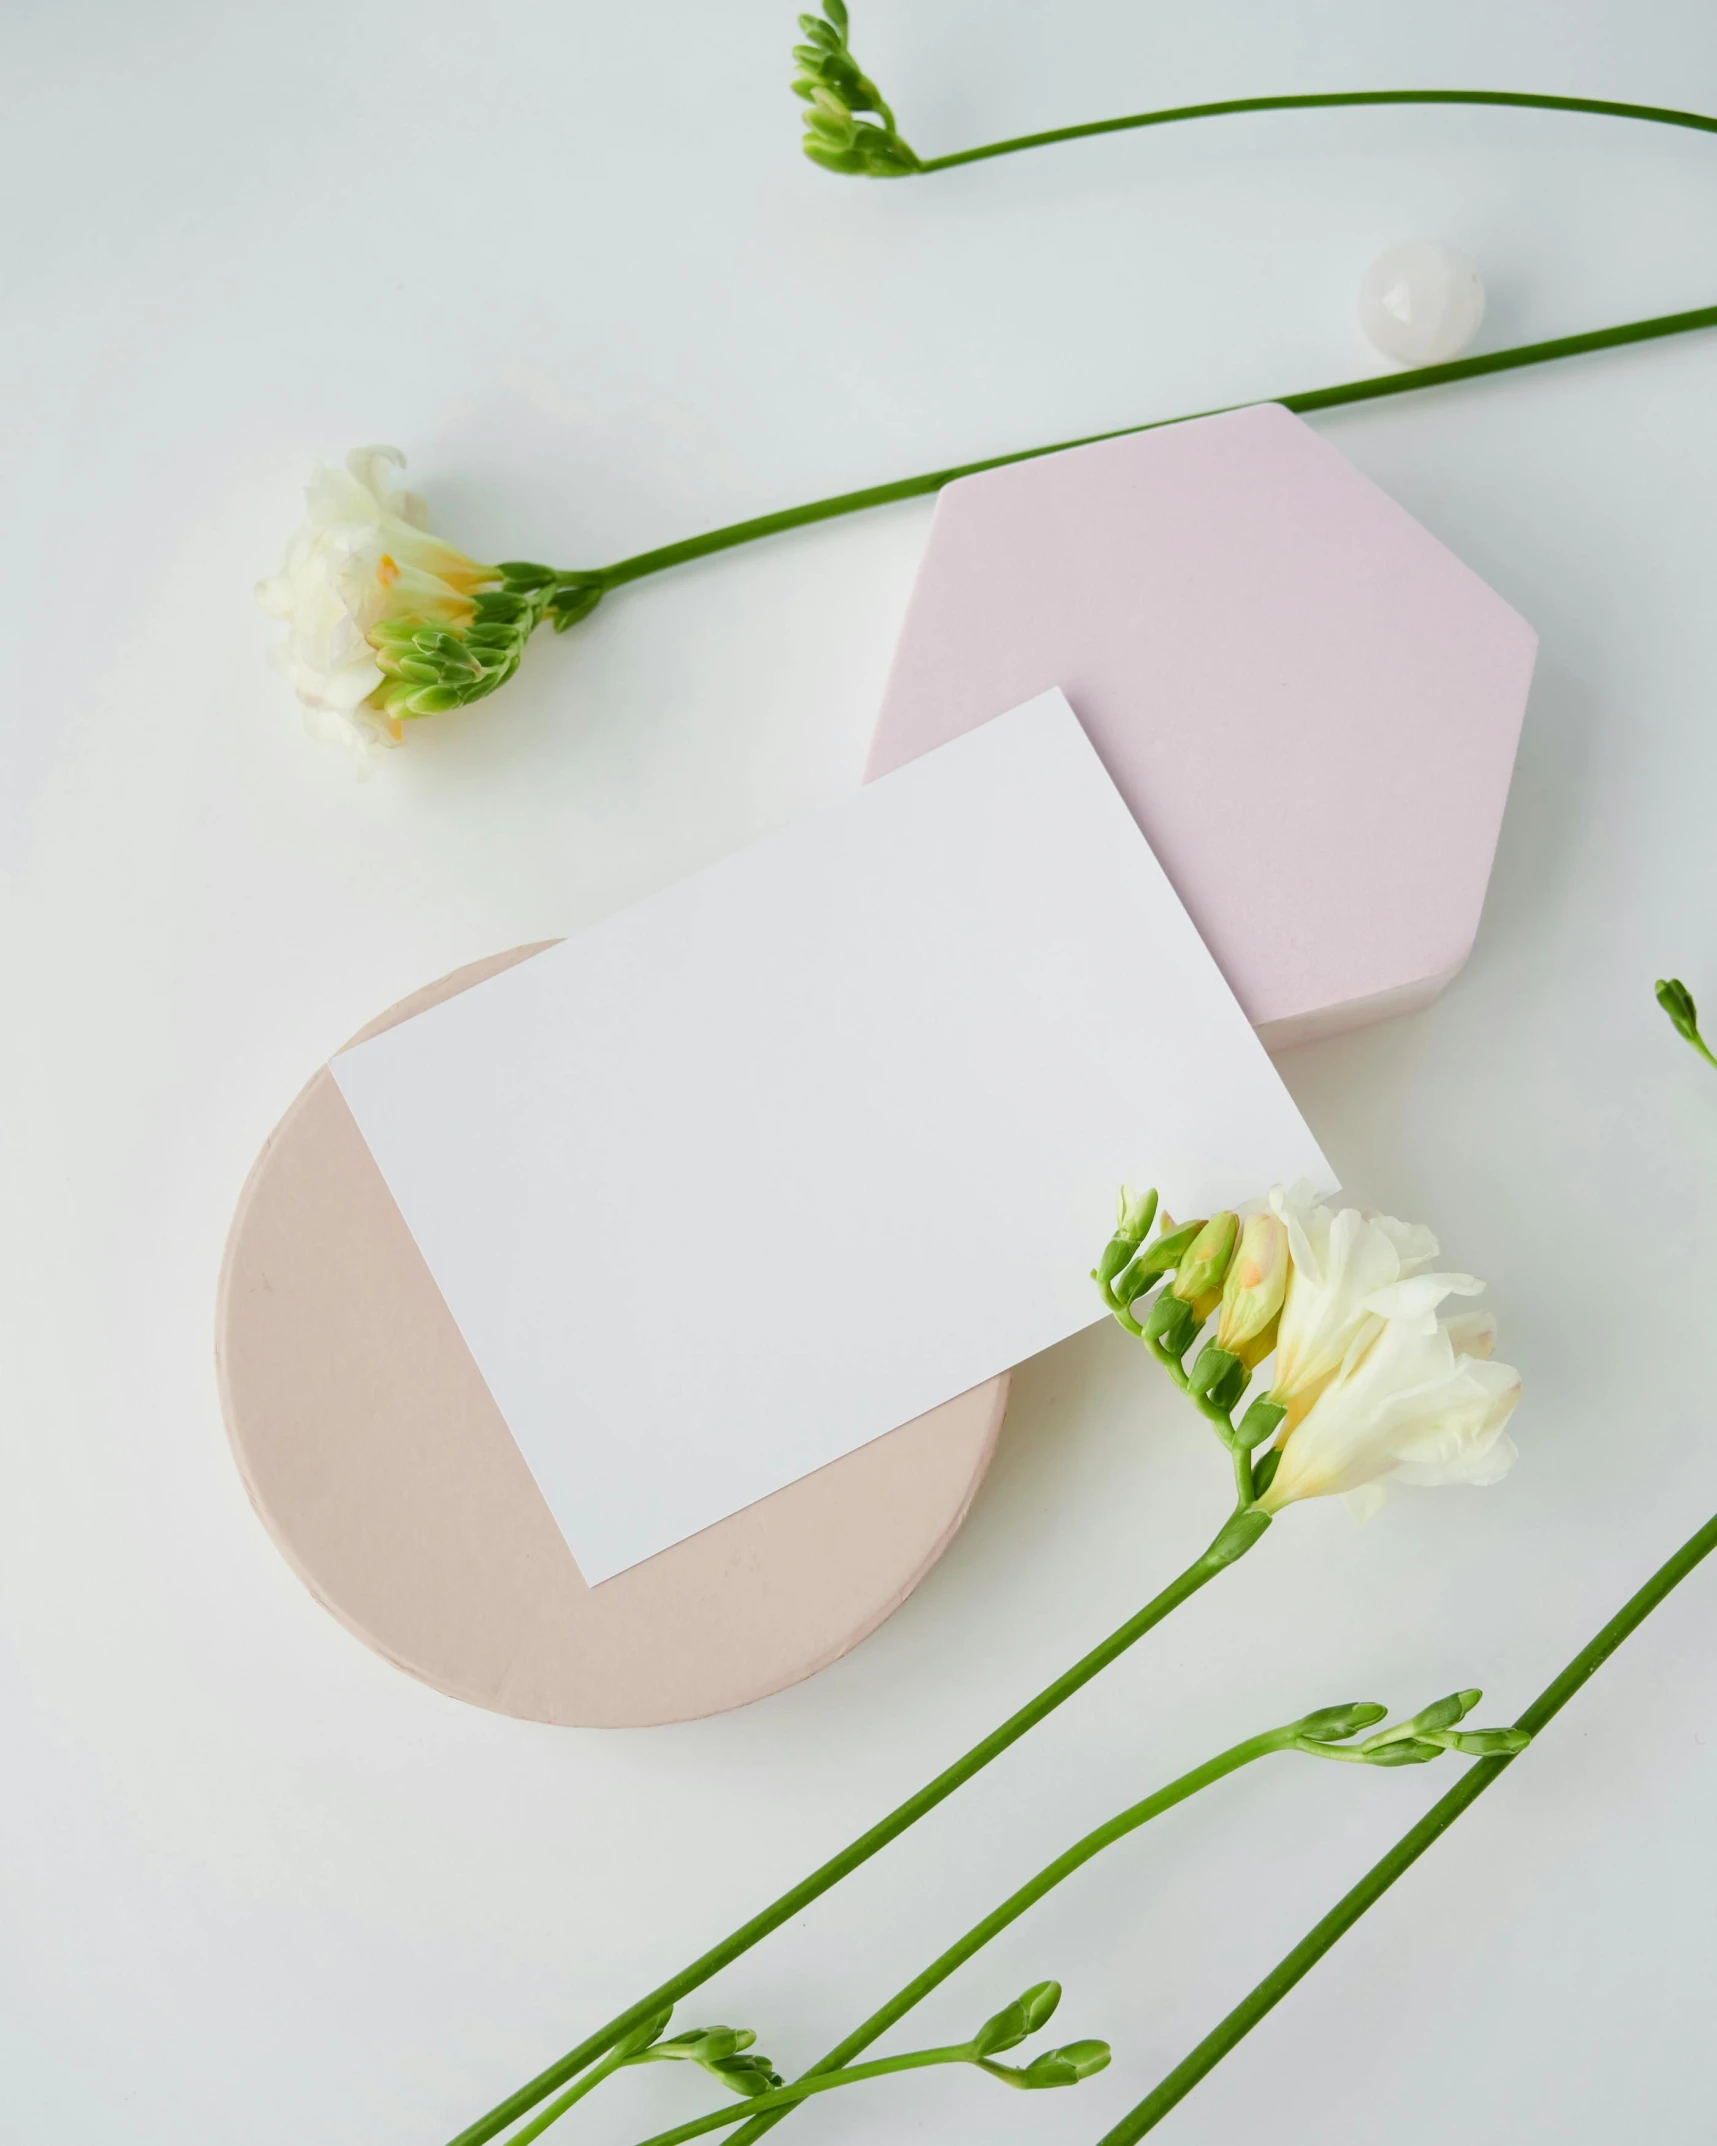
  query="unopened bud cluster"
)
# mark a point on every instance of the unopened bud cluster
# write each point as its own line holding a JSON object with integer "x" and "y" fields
{"x": 1677, "y": 1001}
{"x": 428, "y": 666}
{"x": 836, "y": 92}
{"x": 1009, "y": 2027}
{"x": 726, "y": 2053}
{"x": 1235, "y": 1271}
{"x": 1427, "y": 1735}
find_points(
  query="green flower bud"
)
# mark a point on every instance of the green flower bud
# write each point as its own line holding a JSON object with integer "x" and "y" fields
{"x": 1257, "y": 1425}
{"x": 1677, "y": 1001}
{"x": 1199, "y": 1282}
{"x": 843, "y": 160}
{"x": 1335, "y": 1724}
{"x": 1217, "y": 1377}
{"x": 1009, "y": 2027}
{"x": 1430, "y": 1721}
{"x": 1134, "y": 1213}
{"x": 1487, "y": 1743}
{"x": 721, "y": 2051}
{"x": 1155, "y": 1261}
{"x": 1237, "y": 1535}
{"x": 1065, "y": 2066}
{"x": 708, "y": 2045}
{"x": 1172, "y": 1324}
{"x": 1444, "y": 1713}
{"x": 1409, "y": 1753}
{"x": 747, "y": 2075}
{"x": 572, "y": 601}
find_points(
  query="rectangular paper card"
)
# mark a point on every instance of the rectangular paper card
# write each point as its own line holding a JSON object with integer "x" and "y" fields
{"x": 795, "y": 1151}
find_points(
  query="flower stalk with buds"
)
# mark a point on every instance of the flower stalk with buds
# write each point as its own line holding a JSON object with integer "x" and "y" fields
{"x": 837, "y": 22}
{"x": 364, "y": 560}
{"x": 848, "y": 127}
{"x": 1368, "y": 1382}
{"x": 1245, "y": 1275}
{"x": 727, "y": 2053}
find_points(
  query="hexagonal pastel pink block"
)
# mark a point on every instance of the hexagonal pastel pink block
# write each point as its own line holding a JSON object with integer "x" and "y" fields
{"x": 1310, "y": 705}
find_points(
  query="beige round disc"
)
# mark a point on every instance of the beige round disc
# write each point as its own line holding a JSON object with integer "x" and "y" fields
{"x": 383, "y": 1469}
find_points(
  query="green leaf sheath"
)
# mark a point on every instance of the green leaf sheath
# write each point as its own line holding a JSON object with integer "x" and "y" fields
{"x": 859, "y": 1851}
{"x": 1014, "y": 1906}
{"x": 1406, "y": 1851}
{"x": 1333, "y": 100}
{"x": 1326, "y": 398}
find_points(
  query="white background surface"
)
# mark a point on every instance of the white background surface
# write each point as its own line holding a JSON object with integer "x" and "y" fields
{"x": 257, "y": 1884}
{"x": 744, "y": 1055}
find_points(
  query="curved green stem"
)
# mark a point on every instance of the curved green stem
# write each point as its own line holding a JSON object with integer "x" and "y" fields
{"x": 1227, "y": 107}
{"x": 1307, "y": 399}
{"x": 1015, "y": 1905}
{"x": 1229, "y": 1546}
{"x": 780, "y": 2099}
{"x": 1406, "y": 1851}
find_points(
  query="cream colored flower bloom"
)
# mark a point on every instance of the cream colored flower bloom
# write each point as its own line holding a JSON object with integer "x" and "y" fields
{"x": 362, "y": 558}
{"x": 1417, "y": 1400}
{"x": 1343, "y": 1265}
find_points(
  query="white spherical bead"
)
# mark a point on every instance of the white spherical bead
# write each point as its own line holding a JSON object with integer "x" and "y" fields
{"x": 1421, "y": 302}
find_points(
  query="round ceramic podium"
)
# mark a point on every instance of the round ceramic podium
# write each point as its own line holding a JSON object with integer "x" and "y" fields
{"x": 380, "y": 1464}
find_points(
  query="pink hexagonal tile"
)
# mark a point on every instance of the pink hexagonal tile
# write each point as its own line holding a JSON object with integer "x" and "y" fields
{"x": 1309, "y": 703}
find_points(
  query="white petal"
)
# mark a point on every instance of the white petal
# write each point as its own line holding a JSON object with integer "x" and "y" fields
{"x": 1366, "y": 1502}
{"x": 334, "y": 497}
{"x": 1415, "y": 1300}
{"x": 1415, "y": 1246}
{"x": 1472, "y": 1333}
{"x": 370, "y": 466}
{"x": 342, "y": 689}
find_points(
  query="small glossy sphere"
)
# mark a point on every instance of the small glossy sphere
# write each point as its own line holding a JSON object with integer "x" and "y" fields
{"x": 1421, "y": 302}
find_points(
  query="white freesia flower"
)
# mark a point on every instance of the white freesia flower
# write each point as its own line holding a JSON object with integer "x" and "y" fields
{"x": 1350, "y": 1272}
{"x": 1417, "y": 1400}
{"x": 363, "y": 557}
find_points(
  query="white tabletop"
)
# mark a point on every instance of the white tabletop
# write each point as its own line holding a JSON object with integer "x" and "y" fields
{"x": 260, "y": 1885}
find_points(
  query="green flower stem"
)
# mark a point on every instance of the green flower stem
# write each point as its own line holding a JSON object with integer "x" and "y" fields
{"x": 1015, "y": 1905}
{"x": 1652, "y": 114}
{"x": 1324, "y": 398}
{"x": 1407, "y": 1850}
{"x": 1225, "y": 1550}
{"x": 562, "y": 2102}
{"x": 780, "y": 2099}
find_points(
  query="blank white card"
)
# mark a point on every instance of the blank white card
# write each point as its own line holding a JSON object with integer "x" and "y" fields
{"x": 791, "y": 1153}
